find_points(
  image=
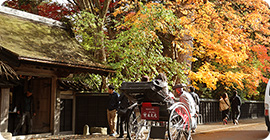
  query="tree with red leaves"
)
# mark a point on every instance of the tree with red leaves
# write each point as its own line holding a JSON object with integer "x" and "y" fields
{"x": 52, "y": 10}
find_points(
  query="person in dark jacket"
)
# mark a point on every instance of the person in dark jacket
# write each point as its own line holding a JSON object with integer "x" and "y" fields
{"x": 26, "y": 110}
{"x": 122, "y": 112}
{"x": 112, "y": 109}
{"x": 235, "y": 104}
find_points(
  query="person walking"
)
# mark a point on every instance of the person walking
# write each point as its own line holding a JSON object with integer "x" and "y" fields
{"x": 236, "y": 104}
{"x": 112, "y": 109}
{"x": 122, "y": 112}
{"x": 196, "y": 98}
{"x": 224, "y": 106}
{"x": 26, "y": 110}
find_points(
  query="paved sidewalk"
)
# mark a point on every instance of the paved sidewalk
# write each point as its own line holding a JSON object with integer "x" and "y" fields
{"x": 218, "y": 126}
{"x": 202, "y": 128}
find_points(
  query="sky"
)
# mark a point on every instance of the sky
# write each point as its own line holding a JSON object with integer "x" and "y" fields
{"x": 268, "y": 1}
{"x": 65, "y": 1}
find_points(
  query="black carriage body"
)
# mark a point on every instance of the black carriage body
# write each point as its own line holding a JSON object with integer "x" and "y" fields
{"x": 142, "y": 91}
{"x": 150, "y": 92}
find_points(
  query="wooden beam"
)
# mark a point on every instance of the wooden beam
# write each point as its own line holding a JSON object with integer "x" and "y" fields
{"x": 35, "y": 71}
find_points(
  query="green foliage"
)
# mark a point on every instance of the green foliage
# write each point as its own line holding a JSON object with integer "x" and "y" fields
{"x": 86, "y": 27}
{"x": 137, "y": 51}
{"x": 94, "y": 80}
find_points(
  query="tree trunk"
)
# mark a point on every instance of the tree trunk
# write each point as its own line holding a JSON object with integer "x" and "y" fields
{"x": 100, "y": 53}
{"x": 171, "y": 51}
{"x": 166, "y": 40}
{"x": 186, "y": 57}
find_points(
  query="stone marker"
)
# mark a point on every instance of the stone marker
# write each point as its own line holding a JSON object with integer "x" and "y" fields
{"x": 5, "y": 136}
{"x": 101, "y": 130}
{"x": 86, "y": 130}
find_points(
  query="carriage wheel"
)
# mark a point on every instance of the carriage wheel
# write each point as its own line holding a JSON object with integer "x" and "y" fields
{"x": 179, "y": 123}
{"x": 137, "y": 128}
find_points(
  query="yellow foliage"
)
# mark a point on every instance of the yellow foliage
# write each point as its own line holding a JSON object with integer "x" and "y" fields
{"x": 222, "y": 37}
{"x": 205, "y": 75}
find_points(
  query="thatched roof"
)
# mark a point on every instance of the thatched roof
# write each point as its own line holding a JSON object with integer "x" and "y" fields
{"x": 8, "y": 76}
{"x": 7, "y": 72}
{"x": 42, "y": 42}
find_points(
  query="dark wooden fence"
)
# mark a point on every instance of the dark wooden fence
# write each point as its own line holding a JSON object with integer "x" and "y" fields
{"x": 91, "y": 110}
{"x": 209, "y": 110}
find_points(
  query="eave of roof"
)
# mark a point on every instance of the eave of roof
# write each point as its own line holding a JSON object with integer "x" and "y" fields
{"x": 64, "y": 65}
{"x": 73, "y": 85}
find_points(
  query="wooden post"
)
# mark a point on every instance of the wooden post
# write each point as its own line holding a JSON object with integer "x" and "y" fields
{"x": 74, "y": 113}
{"x": 55, "y": 107}
{"x": 57, "y": 113}
{"x": 4, "y": 109}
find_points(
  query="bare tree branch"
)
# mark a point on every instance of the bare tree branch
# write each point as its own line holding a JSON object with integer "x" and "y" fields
{"x": 97, "y": 4}
{"x": 105, "y": 9}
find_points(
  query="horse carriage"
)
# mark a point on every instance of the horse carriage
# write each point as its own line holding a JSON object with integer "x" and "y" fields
{"x": 154, "y": 114}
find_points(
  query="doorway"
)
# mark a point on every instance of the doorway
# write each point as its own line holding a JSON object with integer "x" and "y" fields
{"x": 41, "y": 89}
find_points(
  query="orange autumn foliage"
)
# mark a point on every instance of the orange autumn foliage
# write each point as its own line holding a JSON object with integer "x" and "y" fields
{"x": 231, "y": 40}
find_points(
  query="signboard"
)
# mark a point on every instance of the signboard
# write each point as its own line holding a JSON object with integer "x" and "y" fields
{"x": 150, "y": 113}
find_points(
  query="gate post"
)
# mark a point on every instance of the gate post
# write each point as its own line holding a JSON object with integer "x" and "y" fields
{"x": 4, "y": 109}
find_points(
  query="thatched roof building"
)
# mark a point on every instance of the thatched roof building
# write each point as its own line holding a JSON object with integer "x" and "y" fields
{"x": 46, "y": 44}
{"x": 41, "y": 52}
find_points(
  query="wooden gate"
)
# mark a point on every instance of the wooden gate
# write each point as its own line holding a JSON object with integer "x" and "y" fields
{"x": 42, "y": 98}
{"x": 91, "y": 111}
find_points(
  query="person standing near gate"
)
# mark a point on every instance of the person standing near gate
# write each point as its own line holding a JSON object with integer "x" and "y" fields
{"x": 236, "y": 104}
{"x": 122, "y": 112}
{"x": 112, "y": 109}
{"x": 27, "y": 110}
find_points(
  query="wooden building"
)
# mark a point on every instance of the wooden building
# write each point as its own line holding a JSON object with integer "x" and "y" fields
{"x": 41, "y": 52}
